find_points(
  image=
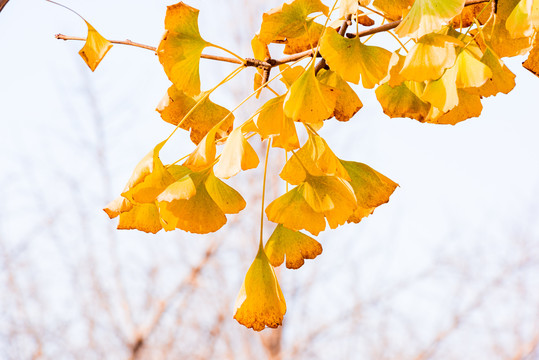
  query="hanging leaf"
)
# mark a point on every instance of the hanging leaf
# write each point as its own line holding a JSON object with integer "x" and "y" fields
{"x": 400, "y": 101}
{"x": 348, "y": 103}
{"x": 523, "y": 19}
{"x": 237, "y": 155}
{"x": 442, "y": 93}
{"x": 272, "y": 122}
{"x": 260, "y": 302}
{"x": 393, "y": 9}
{"x": 290, "y": 20}
{"x": 502, "y": 80}
{"x": 143, "y": 217}
{"x": 353, "y": 60}
{"x": 95, "y": 48}
{"x": 295, "y": 245}
{"x": 180, "y": 49}
{"x": 290, "y": 74}
{"x": 469, "y": 106}
{"x": 371, "y": 188}
{"x": 426, "y": 16}
{"x": 532, "y": 62}
{"x": 480, "y": 12}
{"x": 429, "y": 57}
{"x": 204, "y": 154}
{"x": 308, "y": 40}
{"x": 308, "y": 100}
{"x": 176, "y": 104}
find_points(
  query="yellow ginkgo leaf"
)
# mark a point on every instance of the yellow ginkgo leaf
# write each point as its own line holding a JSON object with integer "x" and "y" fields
{"x": 290, "y": 74}
{"x": 332, "y": 196}
{"x": 429, "y": 57}
{"x": 197, "y": 203}
{"x": 308, "y": 100}
{"x": 523, "y": 19}
{"x": 347, "y": 7}
{"x": 427, "y": 16}
{"x": 348, "y": 103}
{"x": 117, "y": 206}
{"x": 502, "y": 80}
{"x": 95, "y": 48}
{"x": 237, "y": 155}
{"x": 204, "y": 154}
{"x": 176, "y": 104}
{"x": 180, "y": 49}
{"x": 149, "y": 178}
{"x": 260, "y": 302}
{"x": 400, "y": 101}
{"x": 371, "y": 188}
{"x": 295, "y": 213}
{"x": 496, "y": 35}
{"x": 532, "y": 62}
{"x": 271, "y": 121}
{"x": 442, "y": 93}
{"x": 469, "y": 106}
{"x": 308, "y": 40}
{"x": 393, "y": 9}
{"x": 471, "y": 72}
{"x": 143, "y": 217}
{"x": 295, "y": 245}
{"x": 315, "y": 158}
{"x": 289, "y": 20}
{"x": 480, "y": 12}
{"x": 353, "y": 60}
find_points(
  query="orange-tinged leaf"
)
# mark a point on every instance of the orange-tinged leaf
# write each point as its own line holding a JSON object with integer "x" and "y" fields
{"x": 400, "y": 101}
{"x": 228, "y": 199}
{"x": 480, "y": 12}
{"x": 176, "y": 104}
{"x": 308, "y": 100}
{"x": 429, "y": 57}
{"x": 371, "y": 188}
{"x": 295, "y": 213}
{"x": 393, "y": 9}
{"x": 204, "y": 154}
{"x": 308, "y": 40}
{"x": 180, "y": 49}
{"x": 348, "y": 103}
{"x": 260, "y": 302}
{"x": 315, "y": 158}
{"x": 143, "y": 217}
{"x": 502, "y": 80}
{"x": 427, "y": 16}
{"x": 95, "y": 48}
{"x": 469, "y": 106}
{"x": 520, "y": 23}
{"x": 295, "y": 245}
{"x": 532, "y": 62}
{"x": 289, "y": 20}
{"x": 353, "y": 60}
{"x": 271, "y": 121}
{"x": 237, "y": 155}
{"x": 117, "y": 206}
{"x": 149, "y": 178}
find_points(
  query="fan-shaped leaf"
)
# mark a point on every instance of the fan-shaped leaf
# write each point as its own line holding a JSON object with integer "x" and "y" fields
{"x": 295, "y": 245}
{"x": 95, "y": 48}
{"x": 237, "y": 155}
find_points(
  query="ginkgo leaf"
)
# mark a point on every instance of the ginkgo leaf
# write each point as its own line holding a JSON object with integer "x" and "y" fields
{"x": 429, "y": 57}
{"x": 149, "y": 178}
{"x": 271, "y": 121}
{"x": 469, "y": 106}
{"x": 117, "y": 206}
{"x": 308, "y": 100}
{"x": 197, "y": 203}
{"x": 393, "y": 9}
{"x": 260, "y": 302}
{"x": 442, "y": 93}
{"x": 400, "y": 101}
{"x": 143, "y": 217}
{"x": 480, "y": 12}
{"x": 295, "y": 245}
{"x": 332, "y": 196}
{"x": 290, "y": 74}
{"x": 426, "y": 16}
{"x": 497, "y": 36}
{"x": 532, "y": 62}
{"x": 289, "y": 20}
{"x": 204, "y": 154}
{"x": 95, "y": 48}
{"x": 348, "y": 103}
{"x": 470, "y": 71}
{"x": 180, "y": 49}
{"x": 295, "y": 213}
{"x": 308, "y": 40}
{"x": 371, "y": 188}
{"x": 523, "y": 19}
{"x": 176, "y": 104}
{"x": 237, "y": 155}
{"x": 502, "y": 80}
{"x": 314, "y": 158}
{"x": 347, "y": 7}
{"x": 353, "y": 60}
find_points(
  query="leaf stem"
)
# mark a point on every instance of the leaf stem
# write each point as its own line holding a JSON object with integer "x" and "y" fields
{"x": 261, "y": 243}
{"x": 228, "y": 51}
